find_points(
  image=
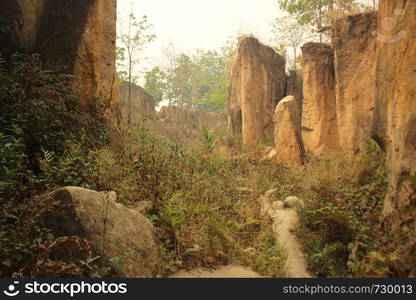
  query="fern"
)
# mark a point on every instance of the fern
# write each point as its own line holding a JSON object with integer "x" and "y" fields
{"x": 71, "y": 155}
{"x": 46, "y": 161}
{"x": 208, "y": 139}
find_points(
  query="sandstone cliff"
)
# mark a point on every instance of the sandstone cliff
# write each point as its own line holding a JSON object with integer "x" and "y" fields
{"x": 73, "y": 36}
{"x": 287, "y": 133}
{"x": 143, "y": 105}
{"x": 295, "y": 88}
{"x": 396, "y": 77}
{"x": 355, "y": 66}
{"x": 319, "y": 120}
{"x": 258, "y": 83}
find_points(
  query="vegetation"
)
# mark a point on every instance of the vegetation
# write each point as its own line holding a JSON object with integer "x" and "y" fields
{"x": 317, "y": 13}
{"x": 197, "y": 81}
{"x": 289, "y": 33}
{"x": 39, "y": 122}
{"x": 340, "y": 226}
{"x": 133, "y": 42}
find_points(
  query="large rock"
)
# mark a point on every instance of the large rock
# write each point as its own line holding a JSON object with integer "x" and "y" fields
{"x": 121, "y": 236}
{"x": 396, "y": 77}
{"x": 355, "y": 49}
{"x": 287, "y": 133}
{"x": 143, "y": 105}
{"x": 258, "y": 83}
{"x": 319, "y": 119}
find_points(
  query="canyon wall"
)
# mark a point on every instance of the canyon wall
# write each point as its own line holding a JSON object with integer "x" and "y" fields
{"x": 181, "y": 125}
{"x": 258, "y": 83}
{"x": 396, "y": 81}
{"x": 295, "y": 88}
{"x": 319, "y": 119}
{"x": 143, "y": 105}
{"x": 355, "y": 48}
{"x": 73, "y": 36}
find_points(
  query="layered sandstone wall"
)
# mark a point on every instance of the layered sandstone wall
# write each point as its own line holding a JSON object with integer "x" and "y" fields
{"x": 73, "y": 36}
{"x": 258, "y": 83}
{"x": 396, "y": 77}
{"x": 319, "y": 119}
{"x": 355, "y": 49}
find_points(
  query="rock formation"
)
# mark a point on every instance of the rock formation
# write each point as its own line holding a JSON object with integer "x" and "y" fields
{"x": 396, "y": 77}
{"x": 355, "y": 49}
{"x": 72, "y": 36}
{"x": 121, "y": 236}
{"x": 319, "y": 120}
{"x": 182, "y": 125}
{"x": 258, "y": 83}
{"x": 143, "y": 110}
{"x": 287, "y": 133}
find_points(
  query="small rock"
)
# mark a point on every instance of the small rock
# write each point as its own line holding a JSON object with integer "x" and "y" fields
{"x": 244, "y": 190}
{"x": 265, "y": 206}
{"x": 277, "y": 205}
{"x": 270, "y": 193}
{"x": 143, "y": 207}
{"x": 292, "y": 201}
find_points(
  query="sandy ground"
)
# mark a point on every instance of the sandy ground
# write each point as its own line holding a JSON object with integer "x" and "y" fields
{"x": 284, "y": 219}
{"x": 230, "y": 271}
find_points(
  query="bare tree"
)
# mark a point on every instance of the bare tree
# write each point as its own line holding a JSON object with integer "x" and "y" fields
{"x": 134, "y": 40}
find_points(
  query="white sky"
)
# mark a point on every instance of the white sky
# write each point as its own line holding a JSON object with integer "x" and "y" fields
{"x": 193, "y": 24}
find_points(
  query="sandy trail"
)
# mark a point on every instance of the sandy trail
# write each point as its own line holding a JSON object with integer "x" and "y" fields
{"x": 285, "y": 219}
{"x": 230, "y": 271}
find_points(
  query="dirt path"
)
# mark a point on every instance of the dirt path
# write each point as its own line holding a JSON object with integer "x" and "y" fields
{"x": 284, "y": 219}
{"x": 230, "y": 271}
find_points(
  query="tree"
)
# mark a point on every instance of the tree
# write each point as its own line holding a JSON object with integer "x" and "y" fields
{"x": 156, "y": 84}
{"x": 289, "y": 32}
{"x": 134, "y": 40}
{"x": 199, "y": 81}
{"x": 316, "y": 12}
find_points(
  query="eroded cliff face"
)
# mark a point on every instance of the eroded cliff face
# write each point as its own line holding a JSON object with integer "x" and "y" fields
{"x": 73, "y": 36}
{"x": 143, "y": 105}
{"x": 319, "y": 119}
{"x": 396, "y": 81}
{"x": 258, "y": 83}
{"x": 355, "y": 49}
{"x": 295, "y": 88}
{"x": 181, "y": 125}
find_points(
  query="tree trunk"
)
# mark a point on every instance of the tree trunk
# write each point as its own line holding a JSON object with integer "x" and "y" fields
{"x": 294, "y": 59}
{"x": 129, "y": 113}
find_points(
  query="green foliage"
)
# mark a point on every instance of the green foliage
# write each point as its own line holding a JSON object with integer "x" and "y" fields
{"x": 288, "y": 32}
{"x": 155, "y": 84}
{"x": 316, "y": 12}
{"x": 199, "y": 81}
{"x": 41, "y": 137}
{"x": 340, "y": 226}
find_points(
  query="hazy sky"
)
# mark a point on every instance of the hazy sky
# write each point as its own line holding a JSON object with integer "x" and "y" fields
{"x": 192, "y": 24}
